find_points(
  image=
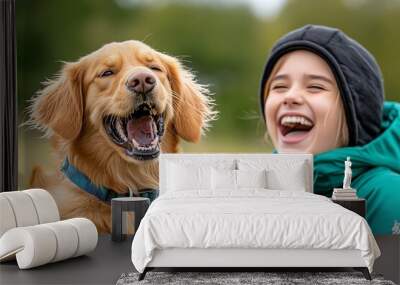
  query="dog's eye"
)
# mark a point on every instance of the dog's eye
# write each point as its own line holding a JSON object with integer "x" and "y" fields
{"x": 155, "y": 68}
{"x": 106, "y": 73}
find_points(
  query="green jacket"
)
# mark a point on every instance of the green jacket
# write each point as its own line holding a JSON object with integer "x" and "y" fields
{"x": 376, "y": 173}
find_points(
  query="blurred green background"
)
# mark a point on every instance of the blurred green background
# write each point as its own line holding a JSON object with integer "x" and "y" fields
{"x": 225, "y": 42}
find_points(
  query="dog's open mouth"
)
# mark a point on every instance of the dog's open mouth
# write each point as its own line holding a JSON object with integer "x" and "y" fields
{"x": 139, "y": 133}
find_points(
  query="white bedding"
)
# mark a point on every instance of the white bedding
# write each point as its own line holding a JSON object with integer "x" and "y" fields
{"x": 250, "y": 218}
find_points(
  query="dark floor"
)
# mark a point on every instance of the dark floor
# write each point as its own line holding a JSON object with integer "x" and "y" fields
{"x": 110, "y": 259}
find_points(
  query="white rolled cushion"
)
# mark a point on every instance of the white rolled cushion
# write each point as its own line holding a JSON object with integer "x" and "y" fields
{"x": 23, "y": 208}
{"x": 40, "y": 244}
{"x": 33, "y": 245}
{"x": 251, "y": 178}
{"x": 66, "y": 238}
{"x": 223, "y": 179}
{"x": 7, "y": 218}
{"x": 26, "y": 208}
{"x": 87, "y": 235}
{"x": 182, "y": 177}
{"x": 45, "y": 205}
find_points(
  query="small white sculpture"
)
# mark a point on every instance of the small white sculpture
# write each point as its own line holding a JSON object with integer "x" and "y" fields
{"x": 396, "y": 228}
{"x": 347, "y": 174}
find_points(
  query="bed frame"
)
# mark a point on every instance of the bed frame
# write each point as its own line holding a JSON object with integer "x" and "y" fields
{"x": 234, "y": 259}
{"x": 250, "y": 259}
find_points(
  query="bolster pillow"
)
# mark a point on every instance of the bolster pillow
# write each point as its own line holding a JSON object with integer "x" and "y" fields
{"x": 40, "y": 244}
{"x": 31, "y": 230}
{"x": 26, "y": 208}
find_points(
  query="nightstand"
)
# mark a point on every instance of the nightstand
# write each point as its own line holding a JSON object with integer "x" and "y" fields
{"x": 124, "y": 210}
{"x": 356, "y": 205}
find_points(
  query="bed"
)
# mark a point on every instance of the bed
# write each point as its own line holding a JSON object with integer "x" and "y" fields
{"x": 245, "y": 211}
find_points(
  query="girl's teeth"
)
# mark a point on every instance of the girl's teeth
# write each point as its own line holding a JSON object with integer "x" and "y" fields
{"x": 295, "y": 119}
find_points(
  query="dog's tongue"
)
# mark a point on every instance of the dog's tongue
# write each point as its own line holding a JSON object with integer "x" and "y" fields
{"x": 141, "y": 130}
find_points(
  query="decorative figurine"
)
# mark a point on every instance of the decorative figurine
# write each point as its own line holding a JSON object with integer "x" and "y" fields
{"x": 345, "y": 193}
{"x": 347, "y": 174}
{"x": 396, "y": 228}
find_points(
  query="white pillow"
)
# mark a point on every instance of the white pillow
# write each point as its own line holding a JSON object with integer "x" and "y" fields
{"x": 278, "y": 179}
{"x": 251, "y": 178}
{"x": 202, "y": 161}
{"x": 182, "y": 177}
{"x": 223, "y": 179}
{"x": 282, "y": 174}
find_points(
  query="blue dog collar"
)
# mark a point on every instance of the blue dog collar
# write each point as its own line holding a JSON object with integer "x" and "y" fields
{"x": 103, "y": 193}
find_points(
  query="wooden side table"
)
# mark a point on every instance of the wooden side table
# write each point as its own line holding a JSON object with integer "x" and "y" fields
{"x": 356, "y": 205}
{"x": 121, "y": 210}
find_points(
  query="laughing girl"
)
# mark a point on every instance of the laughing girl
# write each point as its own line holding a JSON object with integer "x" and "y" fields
{"x": 322, "y": 93}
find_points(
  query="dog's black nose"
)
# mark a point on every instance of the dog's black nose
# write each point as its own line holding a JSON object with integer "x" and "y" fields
{"x": 141, "y": 82}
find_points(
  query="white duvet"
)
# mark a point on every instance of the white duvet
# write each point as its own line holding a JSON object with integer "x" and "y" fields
{"x": 252, "y": 218}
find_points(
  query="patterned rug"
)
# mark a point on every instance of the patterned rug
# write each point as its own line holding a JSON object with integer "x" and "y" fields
{"x": 242, "y": 278}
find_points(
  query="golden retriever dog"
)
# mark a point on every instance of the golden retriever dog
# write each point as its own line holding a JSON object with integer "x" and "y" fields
{"x": 110, "y": 114}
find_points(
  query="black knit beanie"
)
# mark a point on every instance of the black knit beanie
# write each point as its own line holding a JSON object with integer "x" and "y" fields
{"x": 356, "y": 71}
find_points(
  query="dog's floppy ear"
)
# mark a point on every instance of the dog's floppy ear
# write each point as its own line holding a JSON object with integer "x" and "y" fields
{"x": 59, "y": 106}
{"x": 192, "y": 106}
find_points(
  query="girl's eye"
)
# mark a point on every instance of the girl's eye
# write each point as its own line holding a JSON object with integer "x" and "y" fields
{"x": 279, "y": 87}
{"x": 155, "y": 68}
{"x": 106, "y": 73}
{"x": 316, "y": 87}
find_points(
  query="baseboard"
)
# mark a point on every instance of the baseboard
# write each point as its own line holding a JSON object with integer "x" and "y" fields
{"x": 388, "y": 263}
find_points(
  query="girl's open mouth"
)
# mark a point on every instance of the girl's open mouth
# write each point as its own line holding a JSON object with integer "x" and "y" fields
{"x": 294, "y": 128}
